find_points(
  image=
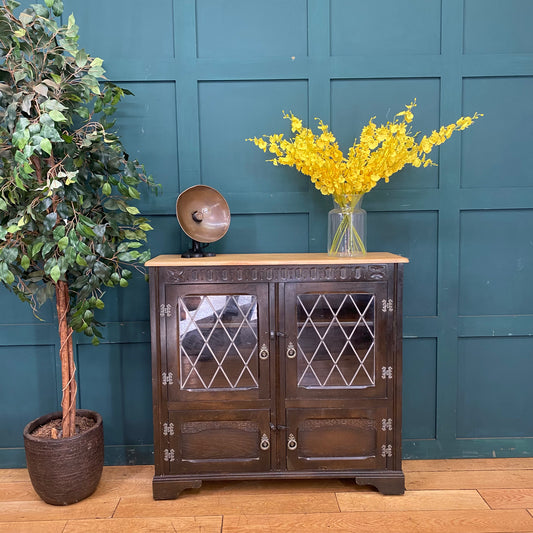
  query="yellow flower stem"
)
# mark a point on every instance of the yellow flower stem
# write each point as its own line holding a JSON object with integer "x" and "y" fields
{"x": 355, "y": 243}
{"x": 346, "y": 228}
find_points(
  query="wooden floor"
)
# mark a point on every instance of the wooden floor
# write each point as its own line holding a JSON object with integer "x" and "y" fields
{"x": 463, "y": 496}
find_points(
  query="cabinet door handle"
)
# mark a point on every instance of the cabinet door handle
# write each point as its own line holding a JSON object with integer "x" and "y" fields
{"x": 291, "y": 443}
{"x": 265, "y": 442}
{"x": 291, "y": 351}
{"x": 263, "y": 352}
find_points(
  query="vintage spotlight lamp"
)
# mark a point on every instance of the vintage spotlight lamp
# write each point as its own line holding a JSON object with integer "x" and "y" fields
{"x": 204, "y": 216}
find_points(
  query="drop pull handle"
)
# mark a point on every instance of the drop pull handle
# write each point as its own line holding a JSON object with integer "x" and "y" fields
{"x": 263, "y": 352}
{"x": 291, "y": 351}
{"x": 265, "y": 442}
{"x": 291, "y": 443}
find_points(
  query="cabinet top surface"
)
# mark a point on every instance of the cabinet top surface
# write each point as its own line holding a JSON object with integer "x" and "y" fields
{"x": 275, "y": 259}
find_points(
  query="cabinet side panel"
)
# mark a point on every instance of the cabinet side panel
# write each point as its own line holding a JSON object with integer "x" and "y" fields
{"x": 157, "y": 392}
{"x": 398, "y": 365}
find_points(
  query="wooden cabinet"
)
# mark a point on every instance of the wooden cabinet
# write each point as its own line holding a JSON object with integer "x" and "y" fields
{"x": 276, "y": 365}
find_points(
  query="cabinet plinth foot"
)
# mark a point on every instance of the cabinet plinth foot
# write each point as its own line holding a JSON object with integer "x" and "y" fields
{"x": 170, "y": 489}
{"x": 392, "y": 483}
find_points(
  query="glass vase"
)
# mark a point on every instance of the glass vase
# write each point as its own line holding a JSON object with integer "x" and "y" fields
{"x": 347, "y": 226}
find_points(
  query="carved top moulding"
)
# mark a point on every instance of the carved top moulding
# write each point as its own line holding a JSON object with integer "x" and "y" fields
{"x": 234, "y": 268}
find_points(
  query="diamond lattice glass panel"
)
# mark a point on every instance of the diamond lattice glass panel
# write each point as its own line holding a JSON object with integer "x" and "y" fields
{"x": 336, "y": 340}
{"x": 218, "y": 342}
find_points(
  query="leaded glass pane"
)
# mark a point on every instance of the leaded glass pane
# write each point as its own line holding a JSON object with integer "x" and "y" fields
{"x": 218, "y": 342}
{"x": 336, "y": 345}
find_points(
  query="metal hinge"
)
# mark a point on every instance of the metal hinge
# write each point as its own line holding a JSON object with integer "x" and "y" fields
{"x": 167, "y": 379}
{"x": 169, "y": 455}
{"x": 386, "y": 372}
{"x": 386, "y": 450}
{"x": 387, "y": 306}
{"x": 168, "y": 429}
{"x": 386, "y": 424}
{"x": 165, "y": 310}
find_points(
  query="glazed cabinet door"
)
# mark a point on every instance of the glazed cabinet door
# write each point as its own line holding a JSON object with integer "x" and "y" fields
{"x": 217, "y": 342}
{"x": 337, "y": 340}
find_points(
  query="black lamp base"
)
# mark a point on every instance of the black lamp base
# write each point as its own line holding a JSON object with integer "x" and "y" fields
{"x": 197, "y": 250}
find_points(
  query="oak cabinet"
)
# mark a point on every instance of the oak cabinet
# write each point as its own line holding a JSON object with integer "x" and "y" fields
{"x": 276, "y": 365}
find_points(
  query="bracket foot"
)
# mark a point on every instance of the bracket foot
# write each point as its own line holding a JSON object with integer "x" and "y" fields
{"x": 388, "y": 483}
{"x": 170, "y": 489}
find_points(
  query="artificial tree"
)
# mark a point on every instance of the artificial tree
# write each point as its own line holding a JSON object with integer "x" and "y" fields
{"x": 68, "y": 223}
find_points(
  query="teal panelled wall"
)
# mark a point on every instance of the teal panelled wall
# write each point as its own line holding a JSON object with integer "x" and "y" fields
{"x": 208, "y": 74}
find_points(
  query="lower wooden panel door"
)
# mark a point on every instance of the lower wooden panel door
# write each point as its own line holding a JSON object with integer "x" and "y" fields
{"x": 338, "y": 439}
{"x": 227, "y": 441}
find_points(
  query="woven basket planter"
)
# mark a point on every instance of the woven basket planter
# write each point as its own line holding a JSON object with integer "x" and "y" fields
{"x": 65, "y": 471}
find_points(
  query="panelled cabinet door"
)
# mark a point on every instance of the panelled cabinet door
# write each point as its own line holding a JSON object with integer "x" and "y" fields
{"x": 217, "y": 342}
{"x": 336, "y": 340}
{"x": 218, "y": 441}
{"x": 337, "y": 439}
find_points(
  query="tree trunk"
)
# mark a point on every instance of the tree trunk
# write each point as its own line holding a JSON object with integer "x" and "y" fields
{"x": 66, "y": 355}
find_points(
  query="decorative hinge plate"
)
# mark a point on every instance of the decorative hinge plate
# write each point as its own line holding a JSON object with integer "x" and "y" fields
{"x": 168, "y": 429}
{"x": 167, "y": 379}
{"x": 165, "y": 310}
{"x": 386, "y": 424}
{"x": 387, "y": 306}
{"x": 386, "y": 372}
{"x": 386, "y": 450}
{"x": 169, "y": 455}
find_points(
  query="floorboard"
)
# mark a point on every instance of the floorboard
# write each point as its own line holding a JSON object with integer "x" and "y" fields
{"x": 444, "y": 496}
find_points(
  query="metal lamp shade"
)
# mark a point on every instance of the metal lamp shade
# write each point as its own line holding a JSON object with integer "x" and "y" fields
{"x": 203, "y": 213}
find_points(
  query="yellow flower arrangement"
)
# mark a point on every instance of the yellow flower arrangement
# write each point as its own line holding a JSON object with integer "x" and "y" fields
{"x": 381, "y": 151}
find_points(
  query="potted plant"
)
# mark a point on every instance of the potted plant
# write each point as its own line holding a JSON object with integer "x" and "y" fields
{"x": 68, "y": 226}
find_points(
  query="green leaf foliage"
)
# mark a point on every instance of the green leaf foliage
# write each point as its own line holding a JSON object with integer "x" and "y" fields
{"x": 66, "y": 184}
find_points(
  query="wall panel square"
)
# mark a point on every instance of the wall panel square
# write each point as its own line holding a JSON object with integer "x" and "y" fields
{"x": 29, "y": 388}
{"x": 265, "y": 233}
{"x": 355, "y": 101}
{"x": 251, "y": 28}
{"x": 498, "y": 27}
{"x": 412, "y": 234}
{"x": 132, "y": 302}
{"x": 496, "y": 262}
{"x": 14, "y": 311}
{"x": 165, "y": 237}
{"x": 419, "y": 388}
{"x": 494, "y": 387}
{"x": 360, "y": 27}
{"x": 115, "y": 380}
{"x": 497, "y": 150}
{"x": 123, "y": 29}
{"x": 146, "y": 123}
{"x": 233, "y": 111}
